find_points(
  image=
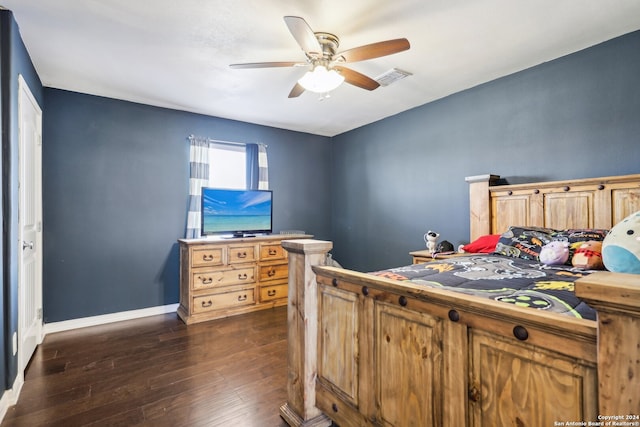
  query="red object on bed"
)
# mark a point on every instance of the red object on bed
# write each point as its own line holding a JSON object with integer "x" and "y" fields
{"x": 483, "y": 244}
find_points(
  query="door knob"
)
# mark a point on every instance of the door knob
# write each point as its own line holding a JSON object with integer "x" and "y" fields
{"x": 26, "y": 245}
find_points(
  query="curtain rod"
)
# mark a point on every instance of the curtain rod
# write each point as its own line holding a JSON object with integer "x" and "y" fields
{"x": 219, "y": 141}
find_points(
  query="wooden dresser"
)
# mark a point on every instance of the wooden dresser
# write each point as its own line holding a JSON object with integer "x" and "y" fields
{"x": 220, "y": 278}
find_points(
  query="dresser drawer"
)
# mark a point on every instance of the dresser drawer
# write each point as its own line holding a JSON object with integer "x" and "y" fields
{"x": 271, "y": 251}
{"x": 201, "y": 257}
{"x": 269, "y": 293}
{"x": 223, "y": 277}
{"x": 228, "y": 299}
{"x": 238, "y": 254}
{"x": 273, "y": 272}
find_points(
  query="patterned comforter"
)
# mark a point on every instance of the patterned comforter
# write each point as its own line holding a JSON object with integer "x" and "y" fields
{"x": 501, "y": 278}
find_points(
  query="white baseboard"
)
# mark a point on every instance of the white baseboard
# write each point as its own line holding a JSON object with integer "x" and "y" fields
{"x": 10, "y": 397}
{"x": 68, "y": 325}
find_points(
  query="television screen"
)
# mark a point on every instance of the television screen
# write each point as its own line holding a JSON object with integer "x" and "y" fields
{"x": 237, "y": 212}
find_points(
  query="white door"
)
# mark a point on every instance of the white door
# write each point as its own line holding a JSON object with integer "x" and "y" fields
{"x": 30, "y": 226}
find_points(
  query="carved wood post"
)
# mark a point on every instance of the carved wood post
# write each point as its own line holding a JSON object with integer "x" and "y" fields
{"x": 480, "y": 204}
{"x": 616, "y": 297}
{"x": 302, "y": 333}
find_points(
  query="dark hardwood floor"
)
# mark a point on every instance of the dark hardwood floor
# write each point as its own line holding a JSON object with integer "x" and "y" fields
{"x": 157, "y": 371}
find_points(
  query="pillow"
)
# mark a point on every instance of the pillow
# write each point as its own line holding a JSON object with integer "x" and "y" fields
{"x": 583, "y": 234}
{"x": 621, "y": 247}
{"x": 524, "y": 242}
{"x": 483, "y": 244}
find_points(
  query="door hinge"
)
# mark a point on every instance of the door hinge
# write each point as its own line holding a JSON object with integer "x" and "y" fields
{"x": 40, "y": 314}
{"x": 39, "y": 226}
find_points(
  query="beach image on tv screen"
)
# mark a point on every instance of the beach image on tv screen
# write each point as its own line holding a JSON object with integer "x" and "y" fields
{"x": 229, "y": 211}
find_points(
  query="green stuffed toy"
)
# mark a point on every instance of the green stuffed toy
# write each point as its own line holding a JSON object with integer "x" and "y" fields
{"x": 621, "y": 247}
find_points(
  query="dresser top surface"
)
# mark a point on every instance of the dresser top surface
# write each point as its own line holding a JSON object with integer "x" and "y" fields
{"x": 231, "y": 240}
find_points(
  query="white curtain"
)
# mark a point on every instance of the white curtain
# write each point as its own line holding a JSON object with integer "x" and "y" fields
{"x": 263, "y": 168}
{"x": 198, "y": 177}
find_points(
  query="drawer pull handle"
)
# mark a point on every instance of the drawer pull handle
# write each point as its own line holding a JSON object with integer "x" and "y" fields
{"x": 271, "y": 292}
{"x": 207, "y": 304}
{"x": 242, "y": 276}
{"x": 207, "y": 257}
{"x": 271, "y": 272}
{"x": 242, "y": 297}
{"x": 206, "y": 281}
{"x": 242, "y": 254}
{"x": 273, "y": 252}
{"x": 402, "y": 301}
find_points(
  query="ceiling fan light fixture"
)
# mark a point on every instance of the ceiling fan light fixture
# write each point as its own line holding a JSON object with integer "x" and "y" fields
{"x": 321, "y": 80}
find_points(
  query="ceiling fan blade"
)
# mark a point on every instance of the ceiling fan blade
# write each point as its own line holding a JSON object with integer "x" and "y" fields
{"x": 373, "y": 50}
{"x": 296, "y": 91}
{"x": 357, "y": 79}
{"x": 269, "y": 64}
{"x": 304, "y": 35}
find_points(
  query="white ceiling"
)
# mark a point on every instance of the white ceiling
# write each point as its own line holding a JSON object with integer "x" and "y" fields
{"x": 176, "y": 54}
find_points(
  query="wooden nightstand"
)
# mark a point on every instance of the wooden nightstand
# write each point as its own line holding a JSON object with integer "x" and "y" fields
{"x": 425, "y": 256}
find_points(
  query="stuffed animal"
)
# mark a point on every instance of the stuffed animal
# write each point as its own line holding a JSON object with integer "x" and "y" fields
{"x": 588, "y": 256}
{"x": 554, "y": 253}
{"x": 621, "y": 247}
{"x": 431, "y": 239}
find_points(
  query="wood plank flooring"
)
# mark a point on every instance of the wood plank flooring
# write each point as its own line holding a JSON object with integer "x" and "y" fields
{"x": 157, "y": 371}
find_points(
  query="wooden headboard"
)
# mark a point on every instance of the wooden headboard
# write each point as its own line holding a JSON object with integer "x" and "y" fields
{"x": 580, "y": 203}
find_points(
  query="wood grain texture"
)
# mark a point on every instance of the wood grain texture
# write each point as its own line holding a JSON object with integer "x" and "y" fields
{"x": 408, "y": 367}
{"x": 618, "y": 306}
{"x": 513, "y": 377}
{"x": 479, "y": 204}
{"x": 578, "y": 203}
{"x": 338, "y": 341}
{"x": 302, "y": 319}
{"x": 425, "y": 365}
{"x": 227, "y": 277}
{"x": 157, "y": 371}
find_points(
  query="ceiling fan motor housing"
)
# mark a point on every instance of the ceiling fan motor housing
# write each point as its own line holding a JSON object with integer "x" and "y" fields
{"x": 329, "y": 43}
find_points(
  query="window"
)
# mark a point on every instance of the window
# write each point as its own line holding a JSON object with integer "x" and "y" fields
{"x": 227, "y": 166}
{"x": 222, "y": 165}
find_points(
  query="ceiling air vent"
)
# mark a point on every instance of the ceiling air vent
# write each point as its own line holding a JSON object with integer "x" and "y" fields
{"x": 392, "y": 76}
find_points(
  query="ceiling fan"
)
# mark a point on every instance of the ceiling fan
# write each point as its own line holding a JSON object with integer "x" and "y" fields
{"x": 327, "y": 71}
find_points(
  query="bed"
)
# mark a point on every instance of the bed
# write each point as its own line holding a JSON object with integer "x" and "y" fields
{"x": 401, "y": 348}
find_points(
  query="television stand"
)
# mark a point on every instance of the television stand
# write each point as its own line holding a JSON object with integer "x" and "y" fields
{"x": 220, "y": 278}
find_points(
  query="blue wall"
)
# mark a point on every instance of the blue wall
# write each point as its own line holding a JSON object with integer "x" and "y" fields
{"x": 575, "y": 117}
{"x": 115, "y": 177}
{"x": 15, "y": 61}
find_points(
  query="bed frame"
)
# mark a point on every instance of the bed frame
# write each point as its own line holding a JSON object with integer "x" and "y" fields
{"x": 370, "y": 351}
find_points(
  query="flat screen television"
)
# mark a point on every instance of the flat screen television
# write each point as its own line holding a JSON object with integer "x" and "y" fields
{"x": 236, "y": 212}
